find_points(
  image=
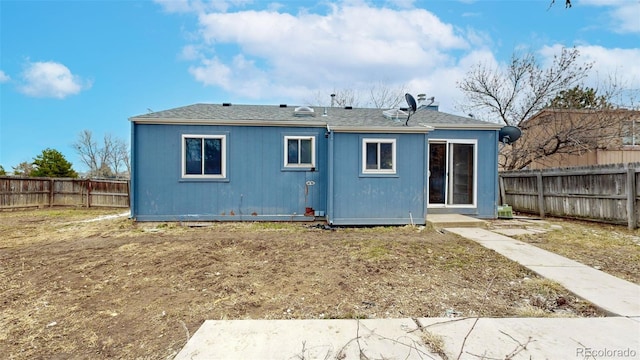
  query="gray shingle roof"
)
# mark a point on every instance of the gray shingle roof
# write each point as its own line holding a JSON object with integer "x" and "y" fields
{"x": 335, "y": 117}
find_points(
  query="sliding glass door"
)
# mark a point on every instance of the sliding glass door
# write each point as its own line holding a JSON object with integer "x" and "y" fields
{"x": 452, "y": 172}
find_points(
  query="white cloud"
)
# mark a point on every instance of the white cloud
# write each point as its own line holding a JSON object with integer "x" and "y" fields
{"x": 628, "y": 16}
{"x": 50, "y": 79}
{"x": 212, "y": 72}
{"x": 272, "y": 55}
{"x": 190, "y": 52}
{"x": 198, "y": 6}
{"x": 616, "y": 65}
{"x": 624, "y": 14}
{"x": 353, "y": 44}
{"x": 4, "y": 77}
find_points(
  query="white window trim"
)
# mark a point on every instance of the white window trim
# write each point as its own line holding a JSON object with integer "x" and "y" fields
{"x": 286, "y": 151}
{"x": 223, "y": 154}
{"x": 366, "y": 141}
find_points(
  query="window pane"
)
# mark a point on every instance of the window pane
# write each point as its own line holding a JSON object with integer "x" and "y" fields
{"x": 305, "y": 151}
{"x": 462, "y": 163}
{"x": 213, "y": 156}
{"x": 292, "y": 151}
{"x": 437, "y": 172}
{"x": 386, "y": 156}
{"x": 193, "y": 153}
{"x": 372, "y": 156}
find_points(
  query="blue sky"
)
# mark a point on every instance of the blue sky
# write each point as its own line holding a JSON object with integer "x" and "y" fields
{"x": 67, "y": 66}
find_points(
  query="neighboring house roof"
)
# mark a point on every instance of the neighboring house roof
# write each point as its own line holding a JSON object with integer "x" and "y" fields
{"x": 339, "y": 119}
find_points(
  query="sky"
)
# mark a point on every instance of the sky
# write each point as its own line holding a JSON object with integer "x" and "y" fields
{"x": 69, "y": 66}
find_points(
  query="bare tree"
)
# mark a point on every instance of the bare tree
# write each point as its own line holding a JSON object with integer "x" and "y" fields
{"x": 518, "y": 94}
{"x": 514, "y": 94}
{"x": 105, "y": 160}
{"x": 380, "y": 95}
{"x": 89, "y": 152}
{"x": 23, "y": 169}
{"x": 345, "y": 97}
{"x": 119, "y": 156}
{"x": 567, "y": 4}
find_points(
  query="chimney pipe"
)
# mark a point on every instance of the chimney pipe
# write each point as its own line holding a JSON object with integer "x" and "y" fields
{"x": 333, "y": 99}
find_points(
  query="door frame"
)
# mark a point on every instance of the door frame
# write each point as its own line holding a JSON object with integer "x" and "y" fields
{"x": 448, "y": 172}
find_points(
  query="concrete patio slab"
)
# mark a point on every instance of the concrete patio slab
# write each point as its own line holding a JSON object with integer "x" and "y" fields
{"x": 306, "y": 339}
{"x": 537, "y": 338}
{"x": 486, "y": 338}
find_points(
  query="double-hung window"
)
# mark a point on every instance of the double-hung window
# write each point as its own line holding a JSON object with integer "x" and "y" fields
{"x": 299, "y": 151}
{"x": 204, "y": 156}
{"x": 378, "y": 156}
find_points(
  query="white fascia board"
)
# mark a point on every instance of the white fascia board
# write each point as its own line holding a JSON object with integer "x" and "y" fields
{"x": 467, "y": 126}
{"x": 295, "y": 123}
{"x": 382, "y": 129}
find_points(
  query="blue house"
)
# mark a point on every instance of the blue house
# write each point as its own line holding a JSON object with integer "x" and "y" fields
{"x": 350, "y": 166}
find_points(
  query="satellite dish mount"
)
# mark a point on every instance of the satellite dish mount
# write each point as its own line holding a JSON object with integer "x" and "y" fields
{"x": 412, "y": 106}
{"x": 509, "y": 134}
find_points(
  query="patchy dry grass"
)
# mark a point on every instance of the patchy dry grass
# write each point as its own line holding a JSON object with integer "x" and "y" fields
{"x": 119, "y": 289}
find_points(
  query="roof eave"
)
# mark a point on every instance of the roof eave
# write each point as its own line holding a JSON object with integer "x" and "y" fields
{"x": 466, "y": 126}
{"x": 293, "y": 123}
{"x": 382, "y": 129}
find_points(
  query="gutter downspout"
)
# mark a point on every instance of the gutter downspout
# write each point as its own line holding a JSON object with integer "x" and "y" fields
{"x": 330, "y": 176}
{"x": 133, "y": 204}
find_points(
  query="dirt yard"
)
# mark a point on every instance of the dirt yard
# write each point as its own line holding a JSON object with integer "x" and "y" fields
{"x": 119, "y": 289}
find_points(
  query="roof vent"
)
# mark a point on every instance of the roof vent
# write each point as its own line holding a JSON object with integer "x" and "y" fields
{"x": 283, "y": 105}
{"x": 348, "y": 107}
{"x": 303, "y": 111}
{"x": 226, "y": 104}
{"x": 395, "y": 114}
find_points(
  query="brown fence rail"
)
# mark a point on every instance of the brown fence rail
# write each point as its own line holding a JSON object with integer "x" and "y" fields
{"x": 26, "y": 192}
{"x": 607, "y": 193}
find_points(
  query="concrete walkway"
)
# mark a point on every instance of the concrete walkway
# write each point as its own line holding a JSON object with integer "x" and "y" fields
{"x": 613, "y": 295}
{"x": 615, "y": 337}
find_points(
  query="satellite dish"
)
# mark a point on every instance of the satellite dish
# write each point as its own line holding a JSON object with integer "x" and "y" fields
{"x": 509, "y": 134}
{"x": 411, "y": 102}
{"x": 412, "y": 106}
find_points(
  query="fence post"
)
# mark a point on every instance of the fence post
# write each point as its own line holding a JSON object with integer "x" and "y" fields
{"x": 89, "y": 193}
{"x": 540, "y": 194}
{"x": 631, "y": 198}
{"x": 503, "y": 192}
{"x": 51, "y": 194}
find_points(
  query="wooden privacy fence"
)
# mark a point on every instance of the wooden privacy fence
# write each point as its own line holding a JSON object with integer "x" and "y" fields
{"x": 607, "y": 193}
{"x": 25, "y": 192}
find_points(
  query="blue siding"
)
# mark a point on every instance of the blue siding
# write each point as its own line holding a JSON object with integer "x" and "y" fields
{"x": 358, "y": 199}
{"x": 257, "y": 186}
{"x": 487, "y": 172}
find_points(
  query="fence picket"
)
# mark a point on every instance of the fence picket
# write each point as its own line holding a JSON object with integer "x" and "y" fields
{"x": 27, "y": 192}
{"x": 606, "y": 193}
